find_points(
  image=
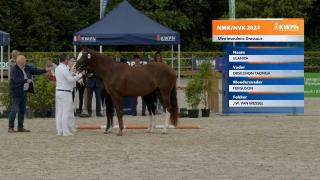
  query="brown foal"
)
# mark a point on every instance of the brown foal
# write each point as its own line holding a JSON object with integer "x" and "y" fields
{"x": 123, "y": 80}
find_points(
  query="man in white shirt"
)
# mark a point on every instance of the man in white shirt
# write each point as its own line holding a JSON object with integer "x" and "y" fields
{"x": 64, "y": 105}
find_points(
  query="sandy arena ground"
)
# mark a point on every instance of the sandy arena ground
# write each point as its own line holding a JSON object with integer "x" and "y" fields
{"x": 226, "y": 147}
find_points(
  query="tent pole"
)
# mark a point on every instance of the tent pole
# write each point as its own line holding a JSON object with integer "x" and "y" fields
{"x": 2, "y": 64}
{"x": 172, "y": 56}
{"x": 100, "y": 9}
{"x": 100, "y": 49}
{"x": 75, "y": 51}
{"x": 179, "y": 73}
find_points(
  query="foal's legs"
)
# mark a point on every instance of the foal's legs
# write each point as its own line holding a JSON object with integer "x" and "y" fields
{"x": 151, "y": 125}
{"x": 150, "y": 100}
{"x": 151, "y": 121}
{"x": 117, "y": 100}
{"x": 109, "y": 125}
{"x": 166, "y": 107}
{"x": 110, "y": 113}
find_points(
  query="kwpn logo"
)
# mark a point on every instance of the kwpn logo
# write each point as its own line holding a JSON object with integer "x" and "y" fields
{"x": 166, "y": 38}
{"x": 88, "y": 39}
{"x": 79, "y": 38}
{"x": 286, "y": 27}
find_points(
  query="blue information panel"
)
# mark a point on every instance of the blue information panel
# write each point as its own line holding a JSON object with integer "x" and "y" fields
{"x": 265, "y": 80}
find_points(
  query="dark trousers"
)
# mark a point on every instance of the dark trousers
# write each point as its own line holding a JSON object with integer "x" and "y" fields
{"x": 73, "y": 94}
{"x": 97, "y": 91}
{"x": 135, "y": 106}
{"x": 103, "y": 99}
{"x": 81, "y": 93}
{"x": 18, "y": 106}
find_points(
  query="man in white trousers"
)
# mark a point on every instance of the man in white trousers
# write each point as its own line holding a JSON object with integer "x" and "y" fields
{"x": 64, "y": 106}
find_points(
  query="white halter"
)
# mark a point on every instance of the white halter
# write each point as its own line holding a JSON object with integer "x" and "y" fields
{"x": 79, "y": 56}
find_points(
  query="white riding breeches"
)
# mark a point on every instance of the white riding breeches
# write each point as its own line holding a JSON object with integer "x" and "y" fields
{"x": 64, "y": 113}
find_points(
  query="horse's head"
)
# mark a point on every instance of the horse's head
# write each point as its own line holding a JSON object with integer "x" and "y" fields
{"x": 83, "y": 59}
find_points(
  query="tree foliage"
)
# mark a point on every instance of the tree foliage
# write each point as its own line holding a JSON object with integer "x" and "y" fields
{"x": 307, "y": 9}
{"x": 273, "y": 8}
{"x": 48, "y": 25}
{"x": 312, "y": 29}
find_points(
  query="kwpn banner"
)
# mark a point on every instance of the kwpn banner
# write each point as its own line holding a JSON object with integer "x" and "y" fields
{"x": 258, "y": 30}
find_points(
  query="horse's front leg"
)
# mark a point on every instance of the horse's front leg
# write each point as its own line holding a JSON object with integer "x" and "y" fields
{"x": 151, "y": 109}
{"x": 166, "y": 106}
{"x": 109, "y": 125}
{"x": 151, "y": 123}
{"x": 110, "y": 113}
{"x": 166, "y": 123}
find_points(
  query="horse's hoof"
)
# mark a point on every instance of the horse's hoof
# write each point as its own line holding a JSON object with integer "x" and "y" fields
{"x": 108, "y": 131}
{"x": 120, "y": 134}
{"x": 164, "y": 132}
{"x": 149, "y": 131}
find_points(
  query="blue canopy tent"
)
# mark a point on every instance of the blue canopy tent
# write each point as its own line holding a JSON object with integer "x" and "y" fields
{"x": 125, "y": 25}
{"x": 4, "y": 41}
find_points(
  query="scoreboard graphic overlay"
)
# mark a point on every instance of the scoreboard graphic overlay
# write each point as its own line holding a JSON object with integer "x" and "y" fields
{"x": 263, "y": 78}
{"x": 266, "y": 80}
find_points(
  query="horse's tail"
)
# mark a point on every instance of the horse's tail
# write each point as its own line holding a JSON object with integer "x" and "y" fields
{"x": 174, "y": 107}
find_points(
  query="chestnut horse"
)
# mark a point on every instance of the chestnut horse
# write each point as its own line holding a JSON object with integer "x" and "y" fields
{"x": 123, "y": 80}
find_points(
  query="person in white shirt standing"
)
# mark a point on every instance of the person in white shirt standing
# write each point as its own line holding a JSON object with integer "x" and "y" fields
{"x": 71, "y": 65}
{"x": 64, "y": 106}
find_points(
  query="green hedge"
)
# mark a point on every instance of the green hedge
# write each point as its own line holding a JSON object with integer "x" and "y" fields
{"x": 127, "y": 54}
{"x": 43, "y": 99}
{"x": 145, "y": 54}
{"x": 39, "y": 58}
{"x": 44, "y": 96}
{"x": 312, "y": 54}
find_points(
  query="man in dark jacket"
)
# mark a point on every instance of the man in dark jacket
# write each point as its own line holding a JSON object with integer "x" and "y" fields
{"x": 20, "y": 84}
{"x": 80, "y": 88}
{"x": 95, "y": 85}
